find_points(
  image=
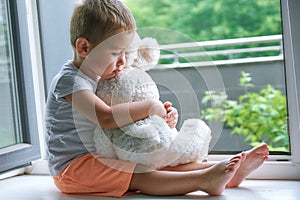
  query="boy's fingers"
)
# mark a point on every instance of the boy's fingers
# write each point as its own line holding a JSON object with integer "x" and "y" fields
{"x": 172, "y": 111}
{"x": 167, "y": 104}
{"x": 171, "y": 124}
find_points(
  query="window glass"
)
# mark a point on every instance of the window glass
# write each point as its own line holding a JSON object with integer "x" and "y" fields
{"x": 229, "y": 57}
{"x": 19, "y": 139}
{"x": 8, "y": 101}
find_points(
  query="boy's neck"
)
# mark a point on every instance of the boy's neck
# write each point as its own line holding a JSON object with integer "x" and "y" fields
{"x": 77, "y": 63}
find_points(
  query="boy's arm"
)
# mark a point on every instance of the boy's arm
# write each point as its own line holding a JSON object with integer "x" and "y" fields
{"x": 97, "y": 111}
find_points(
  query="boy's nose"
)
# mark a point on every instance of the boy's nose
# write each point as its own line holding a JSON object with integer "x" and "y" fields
{"x": 121, "y": 60}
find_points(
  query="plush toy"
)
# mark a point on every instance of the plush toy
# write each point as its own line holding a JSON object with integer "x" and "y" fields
{"x": 149, "y": 141}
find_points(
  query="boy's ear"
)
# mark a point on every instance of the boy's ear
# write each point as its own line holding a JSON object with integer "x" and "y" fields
{"x": 83, "y": 46}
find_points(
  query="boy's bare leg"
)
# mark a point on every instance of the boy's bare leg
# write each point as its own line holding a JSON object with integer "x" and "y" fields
{"x": 189, "y": 166}
{"x": 254, "y": 159}
{"x": 211, "y": 180}
{"x": 251, "y": 160}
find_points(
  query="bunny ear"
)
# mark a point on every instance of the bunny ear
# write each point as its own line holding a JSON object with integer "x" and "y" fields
{"x": 132, "y": 51}
{"x": 148, "y": 53}
{"x": 136, "y": 42}
{"x": 143, "y": 53}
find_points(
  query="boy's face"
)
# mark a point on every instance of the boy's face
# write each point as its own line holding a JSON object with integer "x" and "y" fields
{"x": 108, "y": 58}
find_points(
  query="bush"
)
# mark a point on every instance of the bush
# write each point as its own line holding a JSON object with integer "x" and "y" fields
{"x": 259, "y": 116}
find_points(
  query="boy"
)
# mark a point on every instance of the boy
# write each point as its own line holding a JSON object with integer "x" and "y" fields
{"x": 101, "y": 31}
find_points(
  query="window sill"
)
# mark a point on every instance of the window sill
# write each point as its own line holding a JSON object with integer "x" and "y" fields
{"x": 283, "y": 170}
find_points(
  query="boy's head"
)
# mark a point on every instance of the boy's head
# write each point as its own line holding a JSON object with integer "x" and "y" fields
{"x": 97, "y": 20}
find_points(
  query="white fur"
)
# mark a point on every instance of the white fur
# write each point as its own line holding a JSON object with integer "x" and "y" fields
{"x": 150, "y": 141}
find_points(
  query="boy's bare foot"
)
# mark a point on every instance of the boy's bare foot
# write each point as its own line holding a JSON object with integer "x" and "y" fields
{"x": 215, "y": 178}
{"x": 254, "y": 159}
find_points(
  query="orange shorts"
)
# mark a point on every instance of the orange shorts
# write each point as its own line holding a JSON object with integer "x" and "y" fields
{"x": 91, "y": 175}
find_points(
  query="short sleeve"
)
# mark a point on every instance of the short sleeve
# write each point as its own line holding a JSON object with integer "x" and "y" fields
{"x": 72, "y": 82}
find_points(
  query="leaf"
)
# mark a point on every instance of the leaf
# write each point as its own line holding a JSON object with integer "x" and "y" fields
{"x": 260, "y": 116}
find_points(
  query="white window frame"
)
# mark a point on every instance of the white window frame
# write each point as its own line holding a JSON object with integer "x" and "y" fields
{"x": 29, "y": 59}
{"x": 285, "y": 166}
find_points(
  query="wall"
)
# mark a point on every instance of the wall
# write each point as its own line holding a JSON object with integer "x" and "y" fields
{"x": 55, "y": 17}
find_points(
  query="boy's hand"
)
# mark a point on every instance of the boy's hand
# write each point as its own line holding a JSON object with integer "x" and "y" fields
{"x": 158, "y": 108}
{"x": 172, "y": 115}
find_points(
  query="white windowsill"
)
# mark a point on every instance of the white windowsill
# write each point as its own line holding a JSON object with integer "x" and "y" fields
{"x": 283, "y": 170}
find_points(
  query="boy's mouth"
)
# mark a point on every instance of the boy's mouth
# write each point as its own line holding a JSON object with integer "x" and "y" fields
{"x": 118, "y": 71}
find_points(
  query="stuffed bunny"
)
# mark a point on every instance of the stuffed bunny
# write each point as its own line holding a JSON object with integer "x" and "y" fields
{"x": 149, "y": 141}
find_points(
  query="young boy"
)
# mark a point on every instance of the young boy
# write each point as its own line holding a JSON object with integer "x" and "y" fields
{"x": 101, "y": 31}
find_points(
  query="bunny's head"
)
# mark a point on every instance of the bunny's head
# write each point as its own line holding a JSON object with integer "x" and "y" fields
{"x": 144, "y": 54}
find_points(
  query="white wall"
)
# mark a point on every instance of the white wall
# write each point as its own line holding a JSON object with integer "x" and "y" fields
{"x": 55, "y": 18}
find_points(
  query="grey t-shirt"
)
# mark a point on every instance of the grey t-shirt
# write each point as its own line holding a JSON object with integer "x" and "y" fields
{"x": 69, "y": 134}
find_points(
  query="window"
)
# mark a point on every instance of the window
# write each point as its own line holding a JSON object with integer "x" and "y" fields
{"x": 229, "y": 43}
{"x": 228, "y": 60}
{"x": 292, "y": 48}
{"x": 8, "y": 122}
{"x": 19, "y": 131}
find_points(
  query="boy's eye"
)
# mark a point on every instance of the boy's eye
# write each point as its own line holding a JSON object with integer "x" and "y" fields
{"x": 116, "y": 54}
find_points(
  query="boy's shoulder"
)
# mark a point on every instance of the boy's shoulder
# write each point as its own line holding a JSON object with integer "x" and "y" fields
{"x": 68, "y": 68}
{"x": 66, "y": 71}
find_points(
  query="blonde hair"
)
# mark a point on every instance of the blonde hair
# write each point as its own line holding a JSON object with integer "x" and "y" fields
{"x": 96, "y": 20}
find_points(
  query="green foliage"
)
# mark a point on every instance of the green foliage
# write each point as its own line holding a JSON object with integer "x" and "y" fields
{"x": 259, "y": 116}
{"x": 210, "y": 19}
